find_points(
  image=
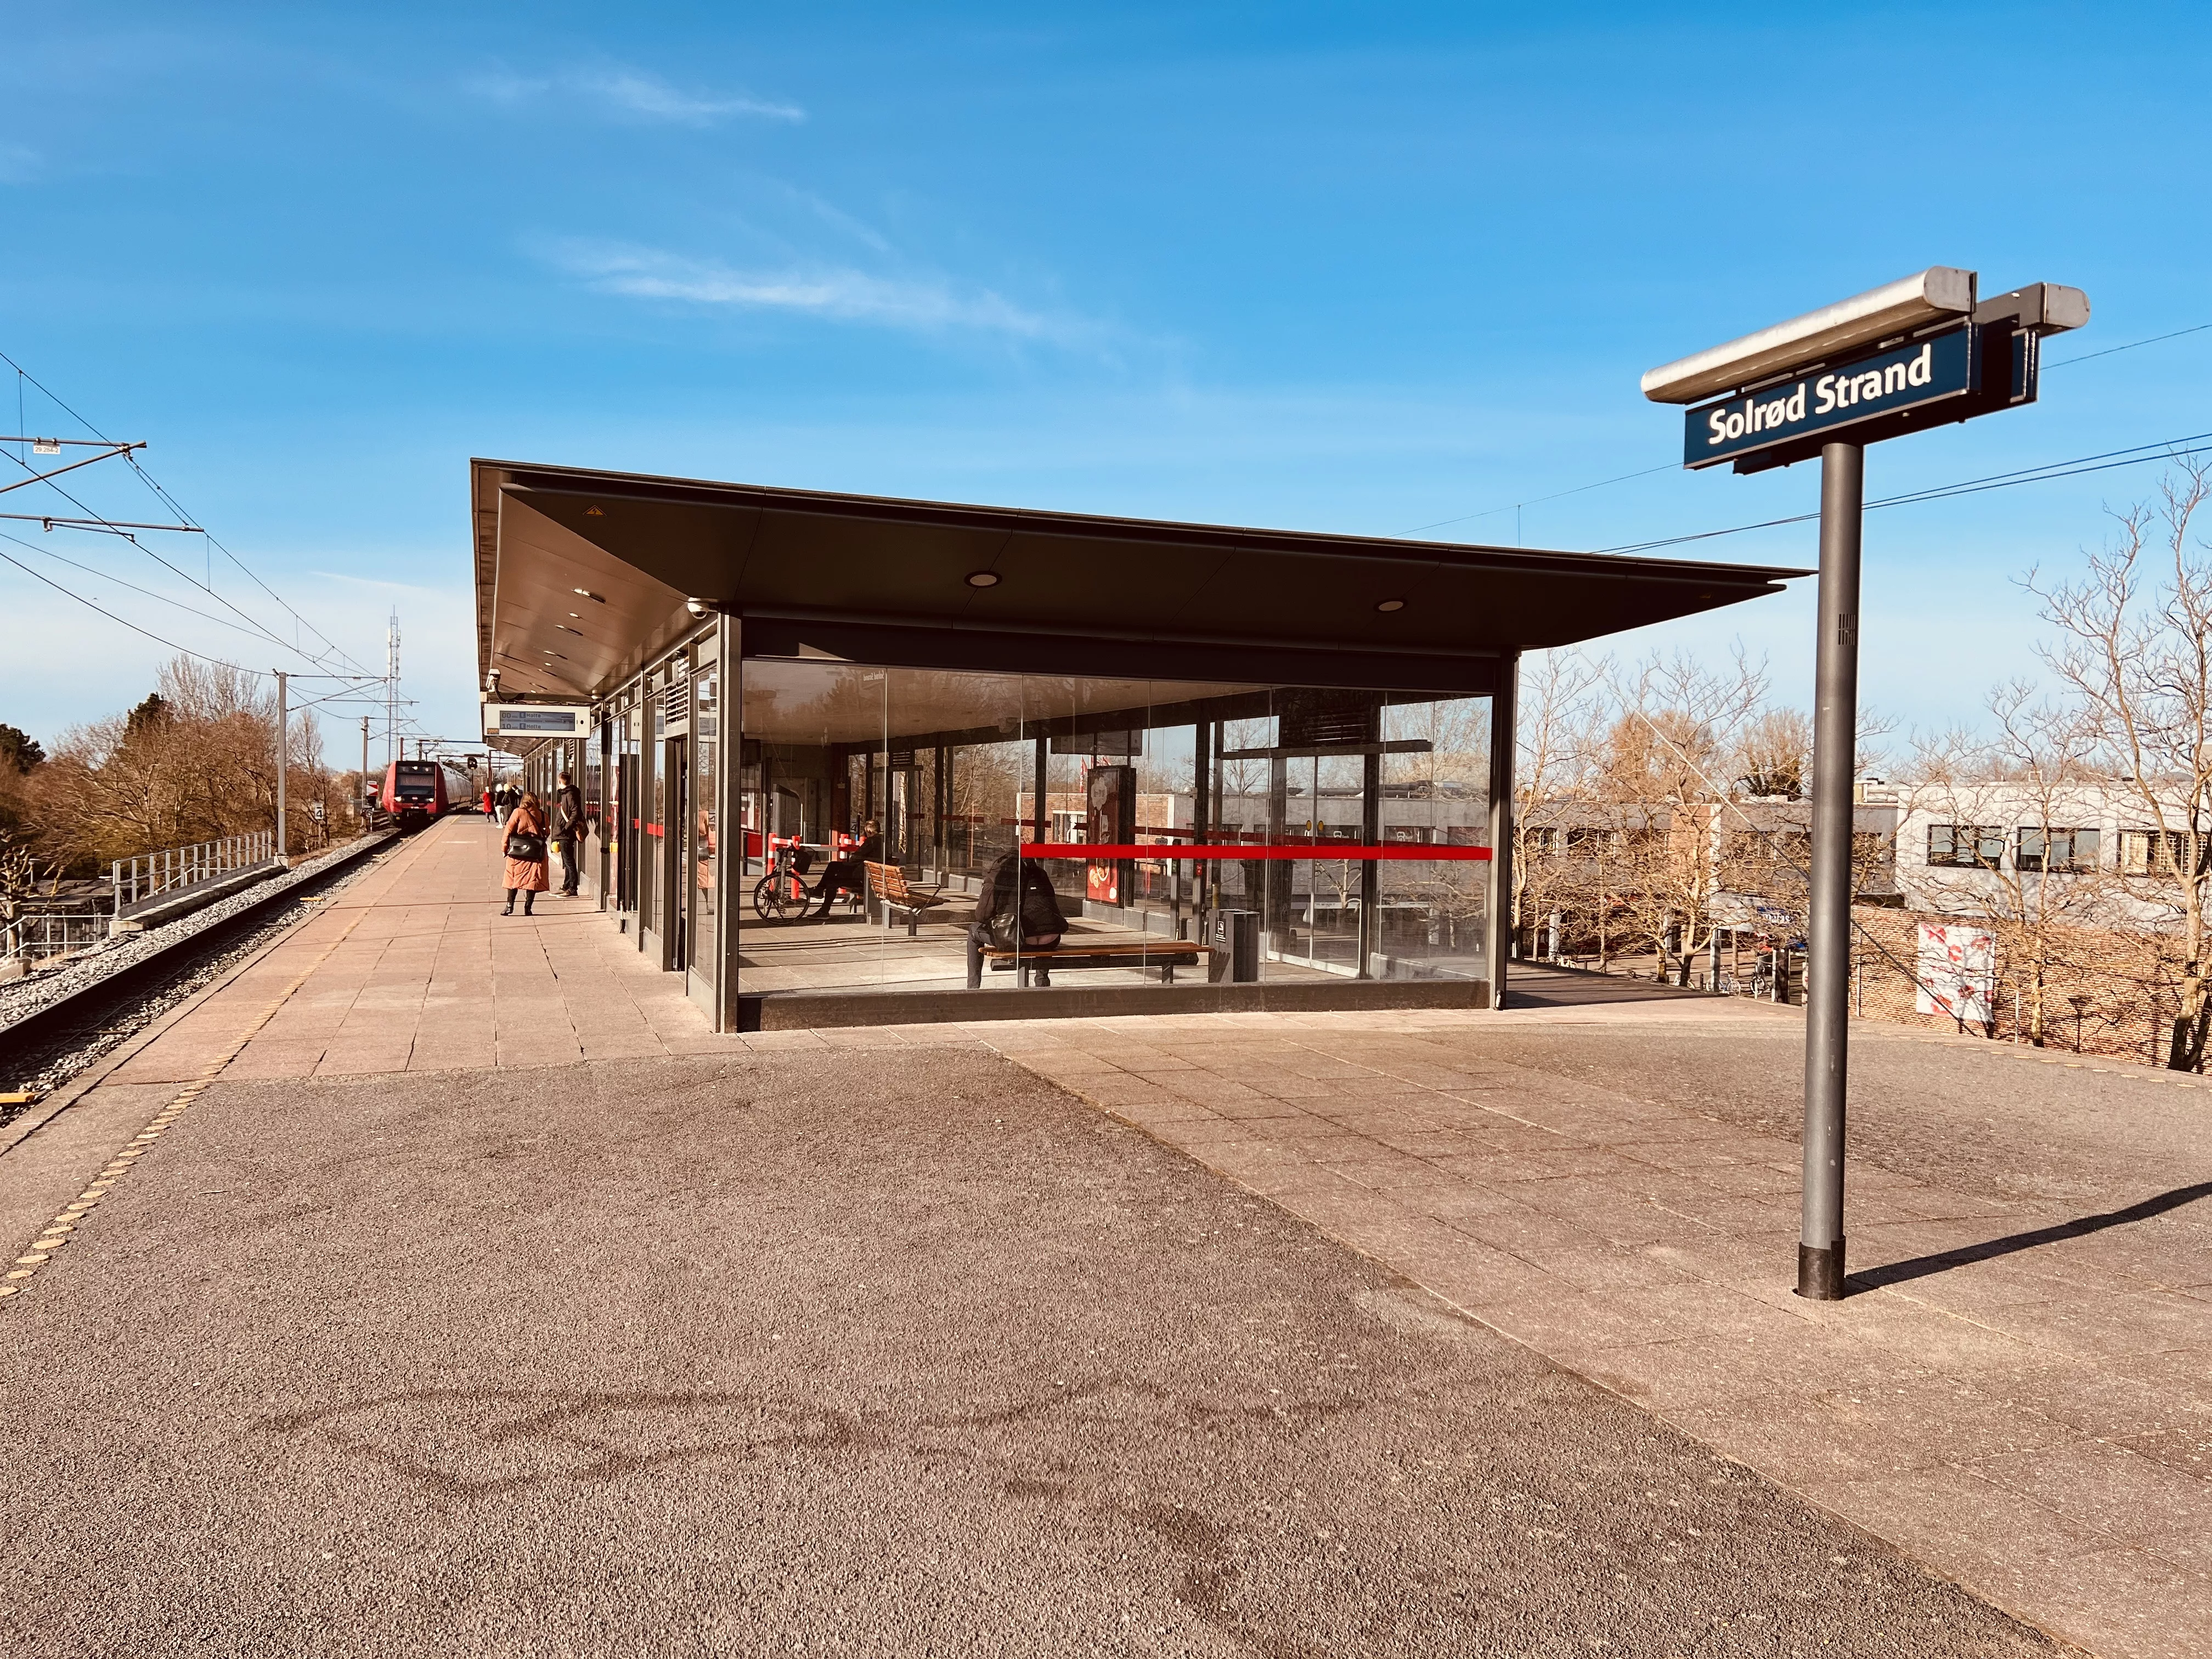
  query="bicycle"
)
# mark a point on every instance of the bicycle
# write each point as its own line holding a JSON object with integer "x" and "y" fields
{"x": 781, "y": 894}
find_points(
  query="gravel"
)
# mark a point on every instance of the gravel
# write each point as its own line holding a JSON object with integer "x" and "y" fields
{"x": 57, "y": 1060}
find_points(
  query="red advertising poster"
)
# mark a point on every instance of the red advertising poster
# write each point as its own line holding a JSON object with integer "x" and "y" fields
{"x": 1110, "y": 795}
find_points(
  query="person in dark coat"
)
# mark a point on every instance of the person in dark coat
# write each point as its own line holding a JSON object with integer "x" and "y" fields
{"x": 1033, "y": 919}
{"x": 850, "y": 875}
{"x": 568, "y": 833}
{"x": 527, "y": 877}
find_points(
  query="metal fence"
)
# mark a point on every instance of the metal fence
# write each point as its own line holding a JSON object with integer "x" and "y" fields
{"x": 134, "y": 880}
{"x": 39, "y": 934}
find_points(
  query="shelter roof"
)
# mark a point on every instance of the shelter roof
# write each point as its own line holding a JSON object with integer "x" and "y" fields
{"x": 582, "y": 575}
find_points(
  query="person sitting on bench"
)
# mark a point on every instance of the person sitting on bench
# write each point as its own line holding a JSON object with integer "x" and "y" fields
{"x": 850, "y": 875}
{"x": 1040, "y": 924}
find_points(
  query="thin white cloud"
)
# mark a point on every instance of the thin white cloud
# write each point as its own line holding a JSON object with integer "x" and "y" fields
{"x": 650, "y": 95}
{"x": 926, "y": 305}
{"x": 622, "y": 91}
{"x": 19, "y": 164}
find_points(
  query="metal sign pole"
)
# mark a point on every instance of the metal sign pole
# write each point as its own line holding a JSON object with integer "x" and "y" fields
{"x": 283, "y": 747}
{"x": 1835, "y": 765}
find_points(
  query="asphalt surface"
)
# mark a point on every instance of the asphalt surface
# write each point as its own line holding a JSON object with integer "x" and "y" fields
{"x": 1979, "y": 1118}
{"x": 865, "y": 1351}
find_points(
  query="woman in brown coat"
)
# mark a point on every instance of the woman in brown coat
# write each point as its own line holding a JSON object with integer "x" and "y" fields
{"x": 527, "y": 877}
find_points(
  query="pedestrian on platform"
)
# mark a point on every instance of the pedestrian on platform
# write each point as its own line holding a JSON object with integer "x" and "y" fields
{"x": 525, "y": 853}
{"x": 568, "y": 833}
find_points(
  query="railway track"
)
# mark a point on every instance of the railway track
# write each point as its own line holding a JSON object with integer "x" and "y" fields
{"x": 52, "y": 1027}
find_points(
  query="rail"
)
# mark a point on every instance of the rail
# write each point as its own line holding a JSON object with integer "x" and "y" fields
{"x": 152, "y": 874}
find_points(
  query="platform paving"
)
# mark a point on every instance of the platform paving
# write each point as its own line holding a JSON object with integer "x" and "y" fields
{"x": 2018, "y": 1395}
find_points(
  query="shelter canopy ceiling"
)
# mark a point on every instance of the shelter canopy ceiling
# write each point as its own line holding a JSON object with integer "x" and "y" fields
{"x": 582, "y": 576}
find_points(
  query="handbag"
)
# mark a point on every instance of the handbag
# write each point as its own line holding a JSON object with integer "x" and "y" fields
{"x": 525, "y": 848}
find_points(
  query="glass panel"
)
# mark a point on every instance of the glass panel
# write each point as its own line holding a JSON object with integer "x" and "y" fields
{"x": 705, "y": 945}
{"x": 595, "y": 814}
{"x": 1435, "y": 792}
{"x": 938, "y": 779}
{"x": 630, "y": 820}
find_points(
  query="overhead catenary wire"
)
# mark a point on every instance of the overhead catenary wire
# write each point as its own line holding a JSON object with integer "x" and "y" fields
{"x": 2068, "y": 362}
{"x": 1514, "y": 507}
{"x": 171, "y": 502}
{"x": 2163, "y": 449}
{"x": 105, "y": 576}
{"x": 198, "y": 656}
{"x": 350, "y": 693}
{"x": 110, "y": 527}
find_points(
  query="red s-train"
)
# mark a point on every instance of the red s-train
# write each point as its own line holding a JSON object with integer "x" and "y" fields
{"x": 416, "y": 790}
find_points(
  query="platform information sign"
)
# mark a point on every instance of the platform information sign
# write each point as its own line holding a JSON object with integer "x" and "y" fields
{"x": 535, "y": 721}
{"x": 1826, "y": 400}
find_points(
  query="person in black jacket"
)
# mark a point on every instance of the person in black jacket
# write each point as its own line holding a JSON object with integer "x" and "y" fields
{"x": 1033, "y": 918}
{"x": 850, "y": 875}
{"x": 568, "y": 833}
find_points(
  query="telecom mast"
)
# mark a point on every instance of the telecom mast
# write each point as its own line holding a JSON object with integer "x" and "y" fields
{"x": 392, "y": 690}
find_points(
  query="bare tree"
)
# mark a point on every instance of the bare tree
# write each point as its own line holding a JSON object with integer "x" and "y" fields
{"x": 1562, "y": 711}
{"x": 1660, "y": 785}
{"x": 2012, "y": 810}
{"x": 19, "y": 880}
{"x": 2135, "y": 649}
{"x": 1774, "y": 756}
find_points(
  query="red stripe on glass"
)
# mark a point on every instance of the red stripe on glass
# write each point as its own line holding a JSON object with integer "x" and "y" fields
{"x": 1301, "y": 851}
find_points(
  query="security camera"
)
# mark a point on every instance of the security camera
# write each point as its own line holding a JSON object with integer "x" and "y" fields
{"x": 697, "y": 607}
{"x": 491, "y": 681}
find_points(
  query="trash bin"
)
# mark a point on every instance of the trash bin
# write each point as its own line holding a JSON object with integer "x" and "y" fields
{"x": 1234, "y": 937}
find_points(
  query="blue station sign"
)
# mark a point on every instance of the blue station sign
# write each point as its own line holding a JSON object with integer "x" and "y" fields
{"x": 1832, "y": 398}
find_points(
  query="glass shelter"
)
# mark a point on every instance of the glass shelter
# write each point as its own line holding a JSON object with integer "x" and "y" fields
{"x": 856, "y": 761}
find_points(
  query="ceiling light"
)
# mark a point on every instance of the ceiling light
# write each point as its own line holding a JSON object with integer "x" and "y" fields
{"x": 983, "y": 579}
{"x": 1391, "y": 604}
{"x": 578, "y": 615}
{"x": 596, "y": 599}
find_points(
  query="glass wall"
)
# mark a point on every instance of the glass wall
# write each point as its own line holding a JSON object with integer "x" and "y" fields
{"x": 630, "y": 817}
{"x": 705, "y": 933}
{"x": 1337, "y": 835}
{"x": 599, "y": 820}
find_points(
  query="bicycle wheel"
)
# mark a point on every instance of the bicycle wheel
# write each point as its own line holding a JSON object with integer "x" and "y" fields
{"x": 773, "y": 900}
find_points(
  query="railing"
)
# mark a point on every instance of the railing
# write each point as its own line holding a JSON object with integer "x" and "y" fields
{"x": 155, "y": 874}
{"x": 39, "y": 934}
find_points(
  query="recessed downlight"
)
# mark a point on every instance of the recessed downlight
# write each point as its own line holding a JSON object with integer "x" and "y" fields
{"x": 585, "y": 593}
{"x": 1391, "y": 604}
{"x": 983, "y": 579}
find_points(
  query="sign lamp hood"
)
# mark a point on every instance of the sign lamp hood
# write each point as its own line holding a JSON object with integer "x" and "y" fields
{"x": 1939, "y": 292}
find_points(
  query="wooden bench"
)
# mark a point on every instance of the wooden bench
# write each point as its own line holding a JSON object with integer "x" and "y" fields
{"x": 1166, "y": 954}
{"x": 889, "y": 887}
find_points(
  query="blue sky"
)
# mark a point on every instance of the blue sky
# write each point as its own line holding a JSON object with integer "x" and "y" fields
{"x": 1331, "y": 267}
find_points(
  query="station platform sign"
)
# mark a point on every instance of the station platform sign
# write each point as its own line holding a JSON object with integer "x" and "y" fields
{"x": 1950, "y": 374}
